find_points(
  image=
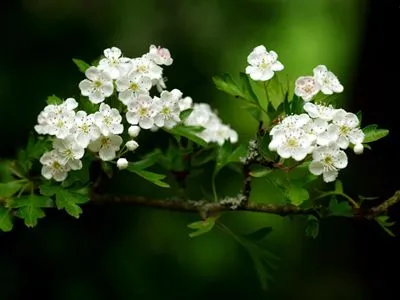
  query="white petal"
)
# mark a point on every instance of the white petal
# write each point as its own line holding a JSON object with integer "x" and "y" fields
{"x": 330, "y": 175}
{"x": 340, "y": 160}
{"x": 107, "y": 153}
{"x": 316, "y": 167}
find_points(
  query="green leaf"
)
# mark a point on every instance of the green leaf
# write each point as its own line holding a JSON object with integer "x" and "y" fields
{"x": 107, "y": 168}
{"x": 33, "y": 151}
{"x": 53, "y": 99}
{"x": 260, "y": 171}
{"x": 149, "y": 159}
{"x": 372, "y": 133}
{"x": 185, "y": 114}
{"x": 5, "y": 220}
{"x": 276, "y": 92}
{"x": 342, "y": 209}
{"x": 8, "y": 189}
{"x": 227, "y": 156}
{"x": 226, "y": 84}
{"x": 69, "y": 200}
{"x": 202, "y": 227}
{"x": 258, "y": 235}
{"x": 189, "y": 132}
{"x": 246, "y": 88}
{"x": 150, "y": 176}
{"x": 30, "y": 208}
{"x": 297, "y": 194}
{"x": 312, "y": 227}
{"x": 82, "y": 66}
{"x": 384, "y": 223}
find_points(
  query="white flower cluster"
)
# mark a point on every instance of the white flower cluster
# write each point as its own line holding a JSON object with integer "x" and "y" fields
{"x": 132, "y": 78}
{"x": 323, "y": 132}
{"x": 262, "y": 64}
{"x": 323, "y": 80}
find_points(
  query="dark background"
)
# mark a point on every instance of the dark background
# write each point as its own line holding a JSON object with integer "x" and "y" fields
{"x": 121, "y": 252}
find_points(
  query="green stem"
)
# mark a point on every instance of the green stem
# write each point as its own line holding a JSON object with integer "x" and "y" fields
{"x": 214, "y": 189}
{"x": 333, "y": 193}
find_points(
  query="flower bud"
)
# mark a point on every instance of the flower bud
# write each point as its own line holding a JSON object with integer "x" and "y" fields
{"x": 131, "y": 145}
{"x": 358, "y": 149}
{"x": 122, "y": 163}
{"x": 133, "y": 131}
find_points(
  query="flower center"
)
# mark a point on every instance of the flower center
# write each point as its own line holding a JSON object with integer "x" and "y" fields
{"x": 344, "y": 130}
{"x": 85, "y": 128}
{"x": 143, "y": 111}
{"x": 292, "y": 142}
{"x": 134, "y": 86}
{"x": 98, "y": 84}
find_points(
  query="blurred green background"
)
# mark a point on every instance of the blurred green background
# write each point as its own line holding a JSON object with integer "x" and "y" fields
{"x": 122, "y": 252}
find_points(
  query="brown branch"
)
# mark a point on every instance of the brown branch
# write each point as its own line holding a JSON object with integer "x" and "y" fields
{"x": 209, "y": 208}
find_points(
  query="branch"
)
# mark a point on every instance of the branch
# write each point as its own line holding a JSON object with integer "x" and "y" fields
{"x": 209, "y": 208}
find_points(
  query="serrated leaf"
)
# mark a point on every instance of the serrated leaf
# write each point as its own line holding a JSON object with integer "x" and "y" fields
{"x": 258, "y": 235}
{"x": 33, "y": 151}
{"x": 5, "y": 220}
{"x": 383, "y": 222}
{"x": 373, "y": 133}
{"x": 297, "y": 194}
{"x": 8, "y": 189}
{"x": 82, "y": 66}
{"x": 276, "y": 93}
{"x": 202, "y": 226}
{"x": 247, "y": 89}
{"x": 342, "y": 209}
{"x": 69, "y": 201}
{"x": 53, "y": 99}
{"x": 189, "y": 132}
{"x": 154, "y": 178}
{"x": 312, "y": 227}
{"x": 226, "y": 155}
{"x": 30, "y": 208}
{"x": 226, "y": 84}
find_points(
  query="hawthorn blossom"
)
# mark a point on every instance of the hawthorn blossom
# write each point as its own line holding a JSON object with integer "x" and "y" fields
{"x": 58, "y": 120}
{"x": 321, "y": 111}
{"x": 53, "y": 166}
{"x": 347, "y": 125}
{"x": 167, "y": 109}
{"x": 106, "y": 146}
{"x": 122, "y": 163}
{"x": 185, "y": 103}
{"x": 85, "y": 129}
{"x": 133, "y": 131}
{"x": 328, "y": 160}
{"x": 327, "y": 82}
{"x": 131, "y": 145}
{"x": 262, "y": 64}
{"x": 306, "y": 87}
{"x": 98, "y": 86}
{"x": 132, "y": 85}
{"x": 108, "y": 120}
{"x": 160, "y": 56}
{"x": 142, "y": 112}
{"x": 69, "y": 152}
{"x": 114, "y": 63}
{"x": 146, "y": 67}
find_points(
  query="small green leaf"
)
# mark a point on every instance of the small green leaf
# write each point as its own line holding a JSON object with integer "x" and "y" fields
{"x": 5, "y": 220}
{"x": 185, "y": 114}
{"x": 69, "y": 201}
{"x": 8, "y": 189}
{"x": 150, "y": 176}
{"x": 30, "y": 208}
{"x": 297, "y": 194}
{"x": 312, "y": 227}
{"x": 258, "y": 235}
{"x": 227, "y": 156}
{"x": 82, "y": 66}
{"x": 342, "y": 209}
{"x": 247, "y": 89}
{"x": 372, "y": 133}
{"x": 202, "y": 227}
{"x": 148, "y": 160}
{"x": 189, "y": 132}
{"x": 33, "y": 151}
{"x": 53, "y": 100}
{"x": 226, "y": 84}
{"x": 260, "y": 171}
{"x": 383, "y": 222}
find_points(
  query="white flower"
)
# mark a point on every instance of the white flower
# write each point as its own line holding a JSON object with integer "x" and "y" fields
{"x": 114, "y": 63}
{"x": 327, "y": 160}
{"x": 321, "y": 111}
{"x": 167, "y": 109}
{"x": 347, "y": 127}
{"x": 141, "y": 111}
{"x": 69, "y": 152}
{"x": 146, "y": 67}
{"x": 58, "y": 120}
{"x": 107, "y": 146}
{"x": 185, "y": 103}
{"x": 306, "y": 87}
{"x": 327, "y": 82}
{"x": 108, "y": 120}
{"x": 263, "y": 64}
{"x": 53, "y": 166}
{"x": 295, "y": 143}
{"x": 85, "y": 130}
{"x": 330, "y": 135}
{"x": 132, "y": 85}
{"x": 290, "y": 123}
{"x": 122, "y": 163}
{"x": 160, "y": 56}
{"x": 98, "y": 86}
{"x": 131, "y": 145}
{"x": 133, "y": 131}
